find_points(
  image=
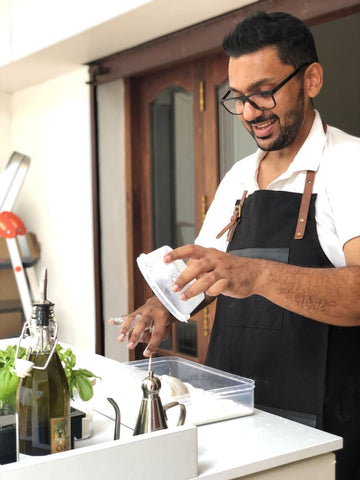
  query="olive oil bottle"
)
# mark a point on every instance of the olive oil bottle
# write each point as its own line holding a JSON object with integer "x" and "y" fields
{"x": 43, "y": 400}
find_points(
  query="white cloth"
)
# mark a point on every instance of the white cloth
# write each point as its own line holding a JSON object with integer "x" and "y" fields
{"x": 335, "y": 156}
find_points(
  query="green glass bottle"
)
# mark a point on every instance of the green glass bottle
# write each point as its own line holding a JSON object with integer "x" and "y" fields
{"x": 43, "y": 400}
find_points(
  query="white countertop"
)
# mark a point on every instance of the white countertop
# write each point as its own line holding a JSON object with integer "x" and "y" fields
{"x": 245, "y": 445}
{"x": 226, "y": 449}
{"x": 239, "y": 447}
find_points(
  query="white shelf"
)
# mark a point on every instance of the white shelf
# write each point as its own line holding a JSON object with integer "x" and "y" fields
{"x": 145, "y": 456}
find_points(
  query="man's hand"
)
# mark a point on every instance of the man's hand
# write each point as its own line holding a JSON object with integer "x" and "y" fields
{"x": 150, "y": 323}
{"x": 215, "y": 272}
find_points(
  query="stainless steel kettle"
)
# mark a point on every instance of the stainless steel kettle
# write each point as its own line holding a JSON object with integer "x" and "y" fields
{"x": 152, "y": 414}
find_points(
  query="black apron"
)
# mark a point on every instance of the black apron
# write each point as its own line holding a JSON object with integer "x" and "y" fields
{"x": 303, "y": 369}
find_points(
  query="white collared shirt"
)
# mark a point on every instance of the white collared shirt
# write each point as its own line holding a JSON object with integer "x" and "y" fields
{"x": 335, "y": 156}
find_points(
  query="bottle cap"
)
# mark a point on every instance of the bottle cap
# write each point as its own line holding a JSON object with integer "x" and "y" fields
{"x": 43, "y": 309}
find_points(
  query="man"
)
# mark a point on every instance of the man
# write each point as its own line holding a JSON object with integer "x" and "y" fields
{"x": 285, "y": 316}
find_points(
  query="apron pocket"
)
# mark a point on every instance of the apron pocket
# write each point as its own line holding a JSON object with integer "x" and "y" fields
{"x": 254, "y": 311}
{"x": 251, "y": 312}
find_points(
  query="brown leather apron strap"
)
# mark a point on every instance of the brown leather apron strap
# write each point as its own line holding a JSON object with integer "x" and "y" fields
{"x": 235, "y": 219}
{"x": 304, "y": 206}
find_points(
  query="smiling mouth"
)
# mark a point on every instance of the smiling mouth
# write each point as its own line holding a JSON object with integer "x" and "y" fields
{"x": 262, "y": 128}
{"x": 264, "y": 124}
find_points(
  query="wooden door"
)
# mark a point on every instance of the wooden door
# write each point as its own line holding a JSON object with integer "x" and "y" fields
{"x": 171, "y": 191}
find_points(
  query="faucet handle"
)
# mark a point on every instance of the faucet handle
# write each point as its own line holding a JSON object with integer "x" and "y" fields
{"x": 117, "y": 418}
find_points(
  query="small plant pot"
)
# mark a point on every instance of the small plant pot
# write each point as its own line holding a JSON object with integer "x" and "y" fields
{"x": 8, "y": 433}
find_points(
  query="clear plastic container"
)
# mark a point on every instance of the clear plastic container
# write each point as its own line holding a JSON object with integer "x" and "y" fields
{"x": 160, "y": 276}
{"x": 213, "y": 395}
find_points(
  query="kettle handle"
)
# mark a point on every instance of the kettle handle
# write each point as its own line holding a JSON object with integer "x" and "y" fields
{"x": 182, "y": 415}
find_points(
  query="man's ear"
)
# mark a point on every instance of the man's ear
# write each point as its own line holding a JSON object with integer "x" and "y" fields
{"x": 313, "y": 79}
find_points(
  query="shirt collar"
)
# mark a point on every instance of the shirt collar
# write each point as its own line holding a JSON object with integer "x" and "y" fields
{"x": 309, "y": 155}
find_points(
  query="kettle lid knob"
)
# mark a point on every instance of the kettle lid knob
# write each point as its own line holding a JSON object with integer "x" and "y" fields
{"x": 151, "y": 384}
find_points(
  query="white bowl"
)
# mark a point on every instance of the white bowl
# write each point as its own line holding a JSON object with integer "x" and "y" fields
{"x": 160, "y": 276}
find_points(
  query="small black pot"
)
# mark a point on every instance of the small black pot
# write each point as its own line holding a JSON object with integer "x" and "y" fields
{"x": 8, "y": 433}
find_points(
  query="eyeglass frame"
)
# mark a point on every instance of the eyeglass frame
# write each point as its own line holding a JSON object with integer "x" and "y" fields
{"x": 246, "y": 98}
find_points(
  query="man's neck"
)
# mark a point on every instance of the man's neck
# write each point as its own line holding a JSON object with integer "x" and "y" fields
{"x": 271, "y": 167}
{"x": 276, "y": 162}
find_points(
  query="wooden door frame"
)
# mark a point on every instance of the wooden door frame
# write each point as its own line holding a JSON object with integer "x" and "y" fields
{"x": 208, "y": 72}
{"x": 194, "y": 41}
{"x": 205, "y": 37}
{"x": 141, "y": 171}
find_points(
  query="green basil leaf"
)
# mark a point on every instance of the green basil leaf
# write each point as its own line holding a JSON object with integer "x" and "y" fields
{"x": 86, "y": 373}
{"x": 8, "y": 383}
{"x": 84, "y": 387}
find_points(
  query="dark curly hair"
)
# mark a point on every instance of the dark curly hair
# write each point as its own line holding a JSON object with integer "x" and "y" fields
{"x": 293, "y": 40}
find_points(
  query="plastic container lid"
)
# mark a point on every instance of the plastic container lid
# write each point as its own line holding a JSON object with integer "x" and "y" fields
{"x": 160, "y": 276}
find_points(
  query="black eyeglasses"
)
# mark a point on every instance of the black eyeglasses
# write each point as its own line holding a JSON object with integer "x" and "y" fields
{"x": 259, "y": 100}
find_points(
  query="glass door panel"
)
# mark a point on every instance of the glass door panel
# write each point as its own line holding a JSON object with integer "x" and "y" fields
{"x": 173, "y": 186}
{"x": 166, "y": 345}
{"x": 184, "y": 342}
{"x": 172, "y": 159}
{"x": 234, "y": 141}
{"x": 186, "y": 334}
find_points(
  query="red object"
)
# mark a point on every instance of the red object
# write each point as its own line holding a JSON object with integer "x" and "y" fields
{"x": 11, "y": 225}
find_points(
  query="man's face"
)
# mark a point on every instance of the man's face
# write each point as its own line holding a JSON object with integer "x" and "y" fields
{"x": 259, "y": 71}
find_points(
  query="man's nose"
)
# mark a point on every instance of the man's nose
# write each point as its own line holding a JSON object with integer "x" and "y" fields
{"x": 250, "y": 112}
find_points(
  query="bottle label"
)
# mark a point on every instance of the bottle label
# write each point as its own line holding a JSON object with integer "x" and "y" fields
{"x": 60, "y": 434}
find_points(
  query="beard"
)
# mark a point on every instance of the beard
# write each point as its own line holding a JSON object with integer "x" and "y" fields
{"x": 289, "y": 128}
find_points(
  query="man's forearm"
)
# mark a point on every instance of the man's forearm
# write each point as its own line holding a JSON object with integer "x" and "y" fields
{"x": 329, "y": 295}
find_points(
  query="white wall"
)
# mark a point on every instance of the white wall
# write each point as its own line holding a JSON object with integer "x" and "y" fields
{"x": 5, "y": 128}
{"x": 5, "y": 31}
{"x": 42, "y": 39}
{"x": 27, "y": 26}
{"x": 113, "y": 211}
{"x": 50, "y": 123}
